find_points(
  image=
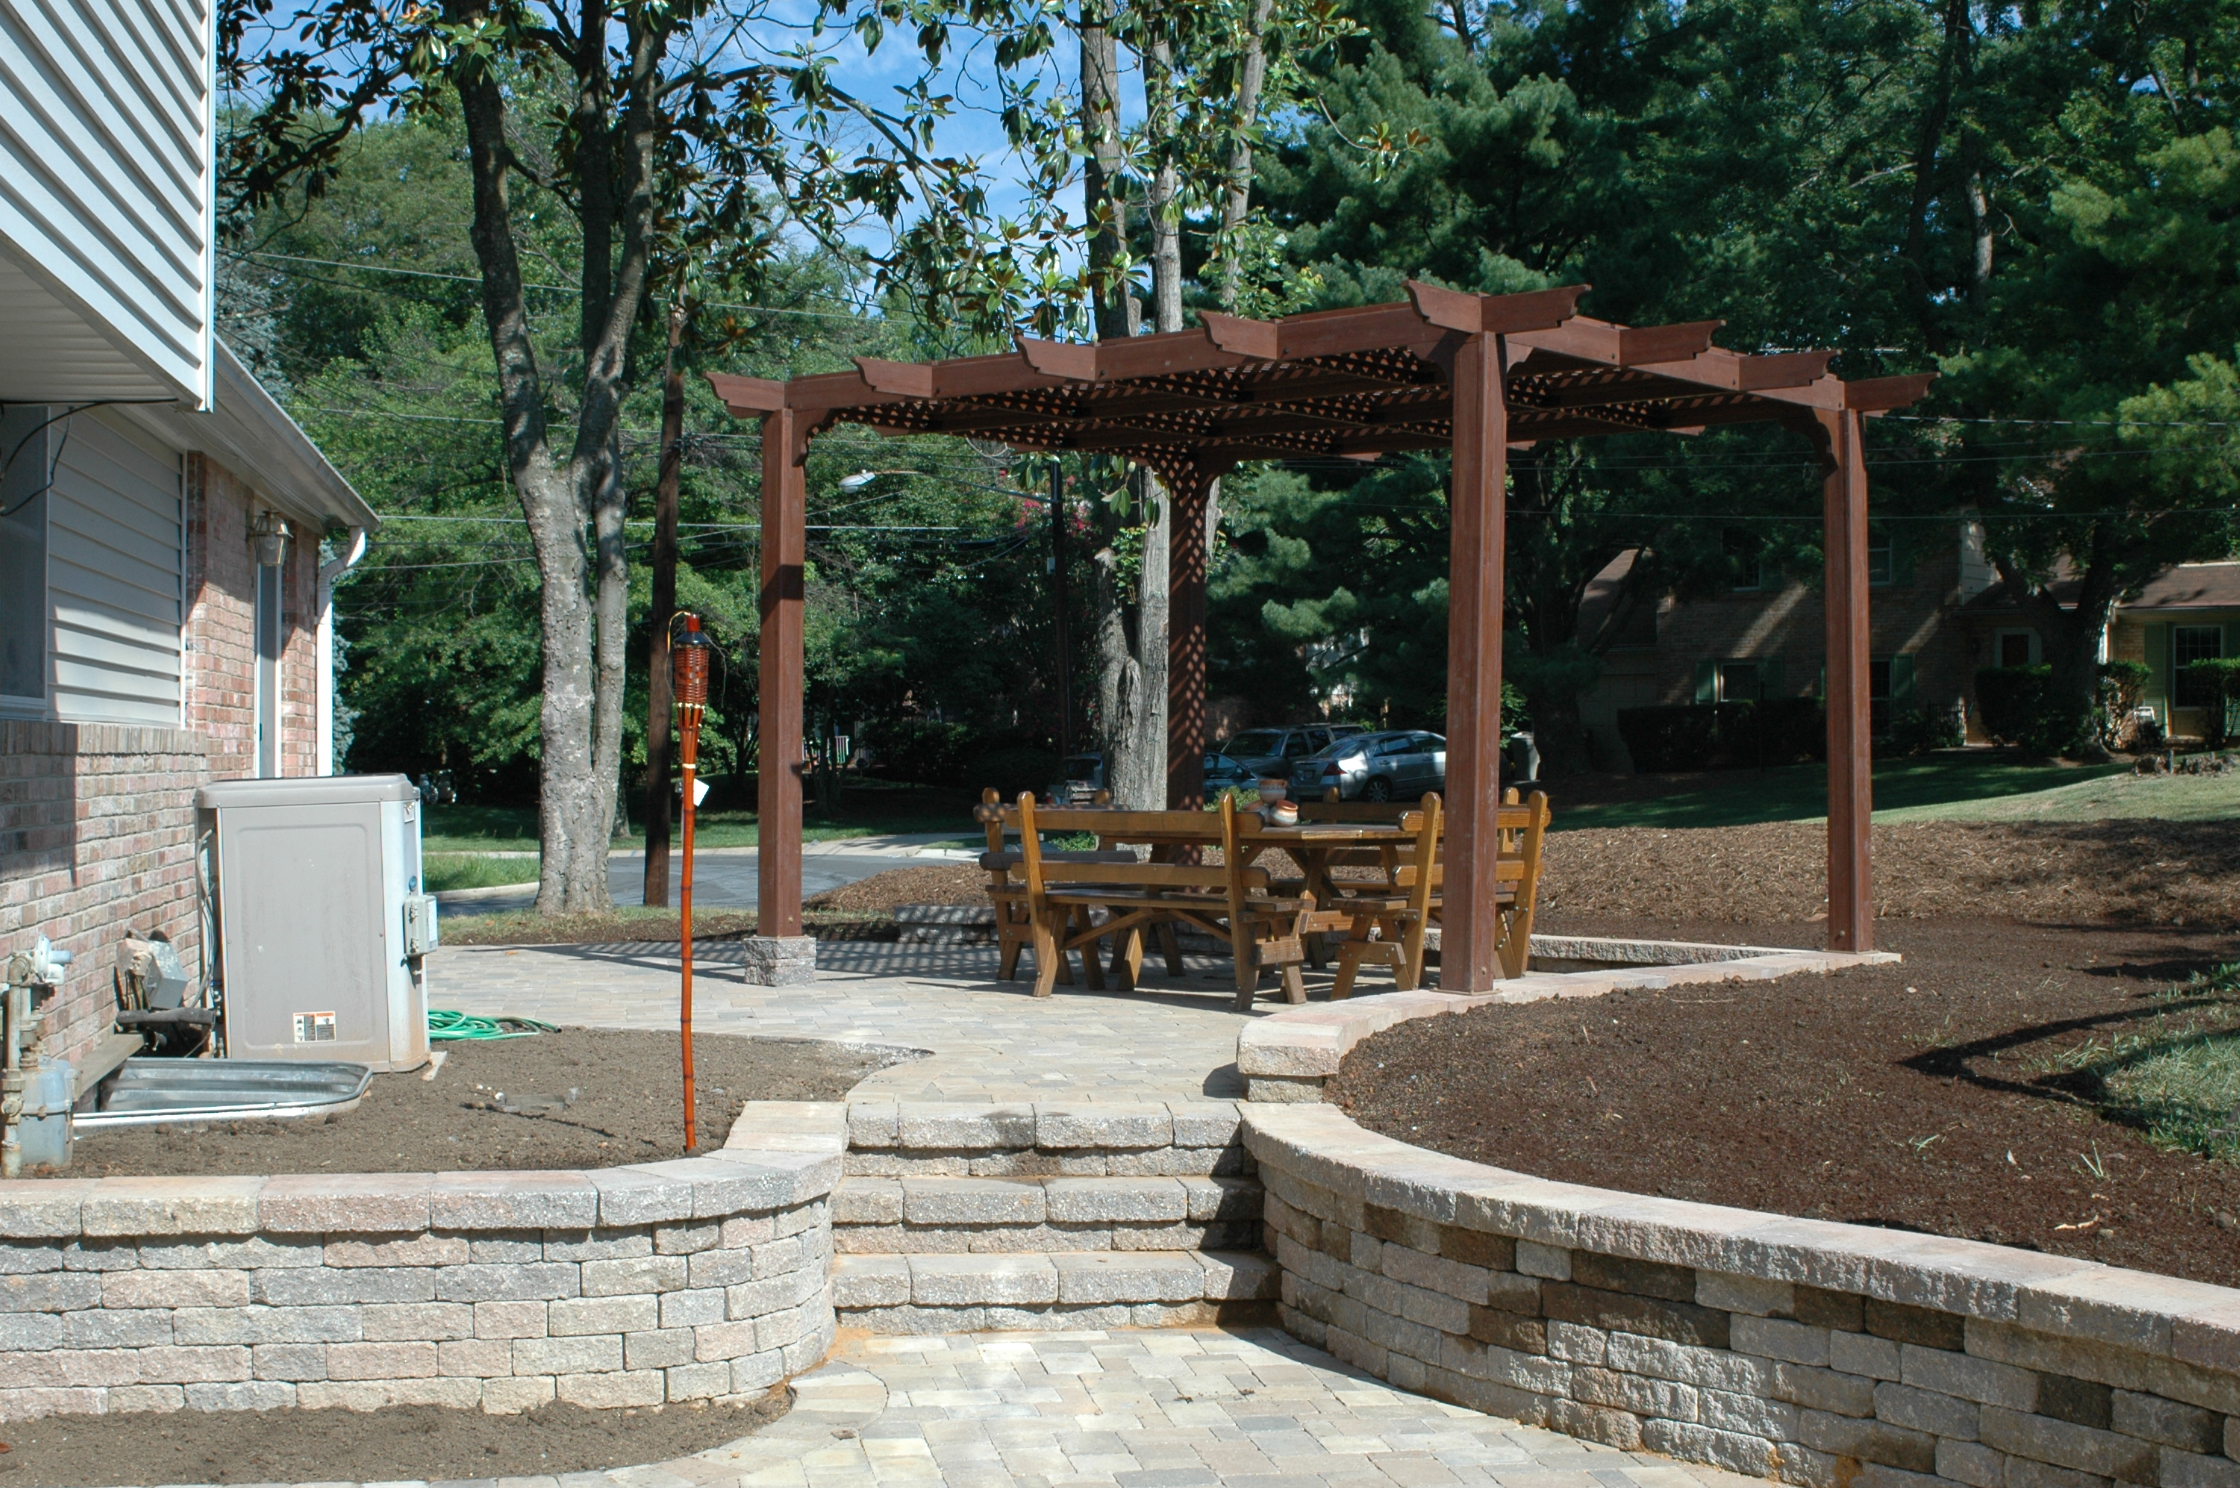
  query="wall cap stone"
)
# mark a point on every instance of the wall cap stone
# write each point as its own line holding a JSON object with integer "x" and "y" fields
{"x": 2164, "y": 1316}
{"x": 779, "y": 1154}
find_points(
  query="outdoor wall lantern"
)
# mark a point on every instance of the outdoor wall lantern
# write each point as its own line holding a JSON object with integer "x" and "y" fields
{"x": 269, "y": 536}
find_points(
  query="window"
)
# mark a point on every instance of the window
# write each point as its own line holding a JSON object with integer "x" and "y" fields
{"x": 1881, "y": 567}
{"x": 1255, "y": 745}
{"x": 2015, "y": 648}
{"x": 1745, "y": 562}
{"x": 1740, "y": 682}
{"x": 2189, "y": 644}
{"x": 1878, "y": 679}
{"x": 24, "y": 441}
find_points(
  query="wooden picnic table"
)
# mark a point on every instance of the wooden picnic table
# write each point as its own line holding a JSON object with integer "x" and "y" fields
{"x": 1312, "y": 845}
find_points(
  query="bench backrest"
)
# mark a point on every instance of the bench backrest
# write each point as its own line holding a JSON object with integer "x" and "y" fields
{"x": 1044, "y": 871}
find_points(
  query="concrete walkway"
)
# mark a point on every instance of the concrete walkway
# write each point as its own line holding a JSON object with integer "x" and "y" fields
{"x": 987, "y": 1039}
{"x": 1170, "y": 1408}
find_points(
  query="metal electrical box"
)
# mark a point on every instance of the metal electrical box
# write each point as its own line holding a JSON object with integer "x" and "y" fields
{"x": 318, "y": 925}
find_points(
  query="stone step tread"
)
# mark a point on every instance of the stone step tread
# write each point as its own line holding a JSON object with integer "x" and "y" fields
{"x": 1062, "y": 1278}
{"x": 1053, "y": 1126}
{"x": 1028, "y": 1200}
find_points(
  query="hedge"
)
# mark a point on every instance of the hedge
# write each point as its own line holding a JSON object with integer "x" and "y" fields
{"x": 1724, "y": 736}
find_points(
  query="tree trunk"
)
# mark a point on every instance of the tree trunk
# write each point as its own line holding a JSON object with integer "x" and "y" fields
{"x": 659, "y": 726}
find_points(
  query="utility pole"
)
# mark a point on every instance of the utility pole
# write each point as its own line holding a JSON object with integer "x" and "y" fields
{"x": 659, "y": 693}
{"x": 1060, "y": 604}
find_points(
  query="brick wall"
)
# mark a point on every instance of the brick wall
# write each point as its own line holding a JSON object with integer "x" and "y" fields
{"x": 96, "y": 841}
{"x": 695, "y": 1279}
{"x": 1836, "y": 1356}
{"x": 221, "y": 628}
{"x": 97, "y": 820}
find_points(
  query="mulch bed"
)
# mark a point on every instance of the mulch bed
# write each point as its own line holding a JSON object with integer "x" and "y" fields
{"x": 2162, "y": 873}
{"x": 579, "y": 1098}
{"x": 1921, "y": 1096}
{"x": 402, "y": 1443}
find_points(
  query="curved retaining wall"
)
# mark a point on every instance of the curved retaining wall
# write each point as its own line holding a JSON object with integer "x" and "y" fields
{"x": 694, "y": 1279}
{"x": 1825, "y": 1354}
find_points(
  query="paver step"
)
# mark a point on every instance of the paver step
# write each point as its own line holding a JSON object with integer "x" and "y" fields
{"x": 1062, "y": 1289}
{"x": 1057, "y": 1139}
{"x": 943, "y": 1215}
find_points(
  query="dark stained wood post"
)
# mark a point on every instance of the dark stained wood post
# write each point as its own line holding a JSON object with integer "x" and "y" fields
{"x": 1186, "y": 638}
{"x": 778, "y": 790}
{"x": 1471, "y": 929}
{"x": 1850, "y": 726}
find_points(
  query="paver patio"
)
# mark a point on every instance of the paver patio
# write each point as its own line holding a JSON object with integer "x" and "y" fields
{"x": 1155, "y": 1408}
{"x": 1170, "y": 1408}
{"x": 988, "y": 1039}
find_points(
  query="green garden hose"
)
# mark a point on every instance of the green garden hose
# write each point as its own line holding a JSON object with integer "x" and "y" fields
{"x": 445, "y": 1025}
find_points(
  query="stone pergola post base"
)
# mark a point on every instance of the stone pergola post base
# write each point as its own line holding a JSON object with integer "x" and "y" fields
{"x": 780, "y": 960}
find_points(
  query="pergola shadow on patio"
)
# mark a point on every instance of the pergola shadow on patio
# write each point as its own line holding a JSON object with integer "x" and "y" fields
{"x": 1481, "y": 374}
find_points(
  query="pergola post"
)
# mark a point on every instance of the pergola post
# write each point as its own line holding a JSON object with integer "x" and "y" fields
{"x": 1850, "y": 723}
{"x": 779, "y": 953}
{"x": 1471, "y": 927}
{"x": 1186, "y": 637}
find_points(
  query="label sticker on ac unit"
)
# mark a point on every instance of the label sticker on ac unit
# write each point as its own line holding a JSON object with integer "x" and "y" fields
{"x": 314, "y": 1028}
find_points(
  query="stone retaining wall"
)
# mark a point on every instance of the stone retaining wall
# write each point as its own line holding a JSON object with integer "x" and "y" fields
{"x": 700, "y": 1278}
{"x": 1837, "y": 1356}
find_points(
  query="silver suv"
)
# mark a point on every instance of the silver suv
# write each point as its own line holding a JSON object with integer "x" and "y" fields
{"x": 1271, "y": 752}
{"x": 1396, "y": 766}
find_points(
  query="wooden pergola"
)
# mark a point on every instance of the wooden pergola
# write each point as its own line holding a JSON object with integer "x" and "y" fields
{"x": 1482, "y": 374}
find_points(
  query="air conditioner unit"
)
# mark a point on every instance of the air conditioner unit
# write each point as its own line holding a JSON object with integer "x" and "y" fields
{"x": 315, "y": 921}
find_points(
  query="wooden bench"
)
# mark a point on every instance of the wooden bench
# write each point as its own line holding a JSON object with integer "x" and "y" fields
{"x": 1230, "y": 901}
{"x": 1008, "y": 890}
{"x": 1391, "y": 928}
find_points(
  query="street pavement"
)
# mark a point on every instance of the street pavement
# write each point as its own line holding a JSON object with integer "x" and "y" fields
{"x": 724, "y": 877}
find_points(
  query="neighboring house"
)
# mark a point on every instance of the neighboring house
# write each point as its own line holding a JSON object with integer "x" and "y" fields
{"x": 163, "y": 609}
{"x": 1938, "y": 616}
{"x": 2185, "y": 614}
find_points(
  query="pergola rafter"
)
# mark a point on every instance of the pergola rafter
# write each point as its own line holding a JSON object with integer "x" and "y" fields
{"x": 1482, "y": 374}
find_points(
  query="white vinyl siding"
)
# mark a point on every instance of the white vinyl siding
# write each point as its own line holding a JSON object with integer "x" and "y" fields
{"x": 106, "y": 188}
{"x": 116, "y": 566}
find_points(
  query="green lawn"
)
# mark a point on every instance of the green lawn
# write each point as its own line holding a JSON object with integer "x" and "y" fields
{"x": 1976, "y": 785}
{"x": 866, "y": 810}
{"x": 2176, "y": 1076}
{"x": 446, "y": 870}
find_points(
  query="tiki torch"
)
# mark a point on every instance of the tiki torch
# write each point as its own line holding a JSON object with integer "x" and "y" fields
{"x": 688, "y": 661}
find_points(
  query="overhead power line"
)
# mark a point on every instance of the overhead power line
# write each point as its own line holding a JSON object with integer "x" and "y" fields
{"x": 859, "y": 314}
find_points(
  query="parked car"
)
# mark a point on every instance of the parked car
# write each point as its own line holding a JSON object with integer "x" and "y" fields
{"x": 1083, "y": 775}
{"x": 1222, "y": 773}
{"x": 1398, "y": 765}
{"x": 1272, "y": 751}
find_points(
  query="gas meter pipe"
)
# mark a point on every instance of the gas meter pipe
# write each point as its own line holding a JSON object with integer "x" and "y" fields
{"x": 688, "y": 656}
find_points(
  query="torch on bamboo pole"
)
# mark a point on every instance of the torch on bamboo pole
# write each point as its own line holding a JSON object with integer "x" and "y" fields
{"x": 689, "y": 668}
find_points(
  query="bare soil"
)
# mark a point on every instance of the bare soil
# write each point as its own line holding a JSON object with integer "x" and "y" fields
{"x": 579, "y": 1098}
{"x": 1928, "y": 1095}
{"x": 2142, "y": 872}
{"x": 402, "y": 1443}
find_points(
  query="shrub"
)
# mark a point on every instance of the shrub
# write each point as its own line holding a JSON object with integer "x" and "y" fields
{"x": 1724, "y": 736}
{"x": 1015, "y": 769}
{"x": 2123, "y": 686}
{"x": 2219, "y": 682}
{"x": 2019, "y": 708}
{"x": 1922, "y": 728}
{"x": 917, "y": 750}
{"x": 1664, "y": 740}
